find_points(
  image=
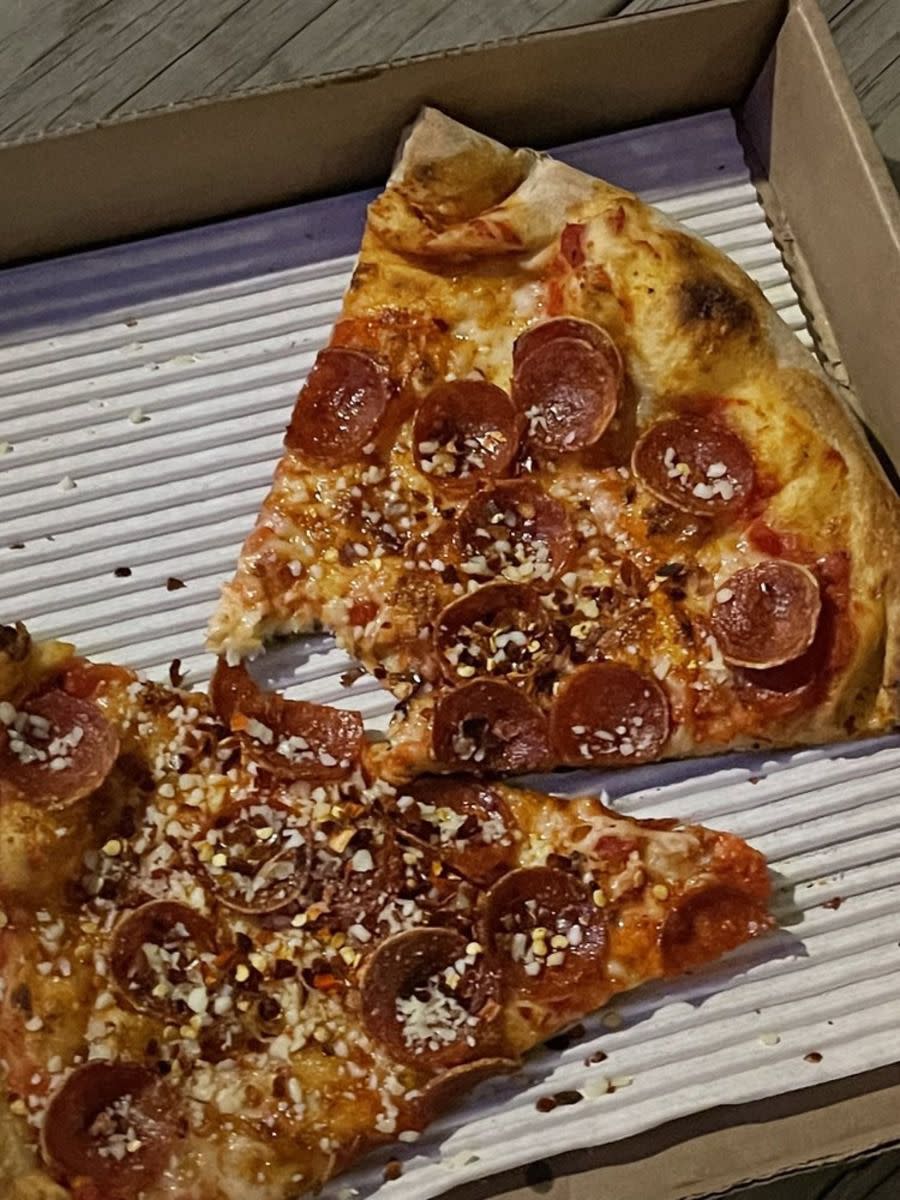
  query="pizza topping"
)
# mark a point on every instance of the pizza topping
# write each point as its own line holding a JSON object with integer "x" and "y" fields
{"x": 466, "y": 824}
{"x": 696, "y": 464}
{"x": 162, "y": 958}
{"x": 430, "y": 998}
{"x": 610, "y": 714}
{"x": 703, "y": 925}
{"x": 57, "y": 749}
{"x": 113, "y": 1123}
{"x": 340, "y": 406}
{"x": 536, "y": 337}
{"x": 465, "y": 431}
{"x": 255, "y": 857}
{"x": 488, "y": 725}
{"x": 568, "y": 391}
{"x": 499, "y": 629}
{"x": 547, "y": 932}
{"x": 294, "y": 738}
{"x": 516, "y": 530}
{"x": 767, "y": 614}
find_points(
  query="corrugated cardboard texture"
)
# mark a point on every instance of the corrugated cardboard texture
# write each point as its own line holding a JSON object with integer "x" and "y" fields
{"x": 213, "y": 160}
{"x": 714, "y": 1152}
{"x": 831, "y": 182}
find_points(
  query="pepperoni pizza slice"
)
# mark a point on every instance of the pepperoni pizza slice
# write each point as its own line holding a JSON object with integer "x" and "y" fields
{"x": 567, "y": 485}
{"x": 232, "y": 959}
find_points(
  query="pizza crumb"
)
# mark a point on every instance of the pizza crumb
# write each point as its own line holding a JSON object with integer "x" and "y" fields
{"x": 67, "y": 483}
{"x": 137, "y": 416}
{"x": 599, "y": 1086}
{"x": 620, "y": 1081}
{"x": 173, "y": 584}
{"x": 769, "y": 1039}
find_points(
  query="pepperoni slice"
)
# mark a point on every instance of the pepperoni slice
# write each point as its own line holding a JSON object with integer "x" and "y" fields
{"x": 501, "y": 629}
{"x": 447, "y": 1089}
{"x": 465, "y": 431}
{"x": 547, "y": 934}
{"x": 373, "y": 885}
{"x": 489, "y": 726}
{"x": 536, "y": 337}
{"x": 696, "y": 464}
{"x": 429, "y": 1001}
{"x": 466, "y": 824}
{"x": 340, "y": 406}
{"x": 290, "y": 738}
{"x": 160, "y": 955}
{"x": 113, "y": 1123}
{"x": 767, "y": 614}
{"x": 609, "y": 714}
{"x": 704, "y": 925}
{"x": 255, "y": 857}
{"x": 57, "y": 749}
{"x": 569, "y": 391}
{"x": 514, "y": 529}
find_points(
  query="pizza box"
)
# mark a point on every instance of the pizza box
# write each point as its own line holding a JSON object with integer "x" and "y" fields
{"x": 144, "y": 385}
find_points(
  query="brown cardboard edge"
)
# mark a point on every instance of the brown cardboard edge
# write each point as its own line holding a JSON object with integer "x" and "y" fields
{"x": 808, "y": 131}
{"x": 720, "y": 1150}
{"x": 211, "y": 160}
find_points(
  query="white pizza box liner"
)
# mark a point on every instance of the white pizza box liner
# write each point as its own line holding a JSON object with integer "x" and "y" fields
{"x": 157, "y": 377}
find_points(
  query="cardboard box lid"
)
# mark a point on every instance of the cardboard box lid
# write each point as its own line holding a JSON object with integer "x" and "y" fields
{"x": 206, "y": 160}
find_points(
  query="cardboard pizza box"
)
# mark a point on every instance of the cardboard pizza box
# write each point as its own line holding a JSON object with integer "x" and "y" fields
{"x": 836, "y": 217}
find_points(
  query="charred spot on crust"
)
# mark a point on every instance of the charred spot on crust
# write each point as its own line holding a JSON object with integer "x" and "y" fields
{"x": 711, "y": 301}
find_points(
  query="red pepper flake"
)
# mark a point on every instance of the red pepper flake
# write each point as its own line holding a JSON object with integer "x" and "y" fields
{"x": 813, "y": 1057}
{"x": 17, "y": 545}
{"x": 393, "y": 1169}
{"x": 122, "y": 572}
{"x": 350, "y": 677}
{"x": 834, "y": 903}
{"x": 566, "y": 1098}
{"x": 598, "y": 1056}
{"x": 174, "y": 585}
{"x": 545, "y": 1104}
{"x": 176, "y": 675}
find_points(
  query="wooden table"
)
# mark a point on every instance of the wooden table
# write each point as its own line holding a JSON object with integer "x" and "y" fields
{"x": 66, "y": 62}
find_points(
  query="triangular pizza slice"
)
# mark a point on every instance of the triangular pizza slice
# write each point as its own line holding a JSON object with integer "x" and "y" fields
{"x": 232, "y": 959}
{"x": 564, "y": 481}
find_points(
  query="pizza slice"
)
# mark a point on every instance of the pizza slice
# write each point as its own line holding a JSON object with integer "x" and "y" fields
{"x": 567, "y": 485}
{"x": 232, "y": 959}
